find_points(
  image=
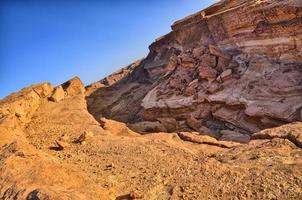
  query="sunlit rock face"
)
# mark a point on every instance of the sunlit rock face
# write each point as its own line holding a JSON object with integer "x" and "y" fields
{"x": 235, "y": 65}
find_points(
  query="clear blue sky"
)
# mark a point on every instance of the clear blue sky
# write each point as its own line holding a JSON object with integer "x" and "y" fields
{"x": 54, "y": 40}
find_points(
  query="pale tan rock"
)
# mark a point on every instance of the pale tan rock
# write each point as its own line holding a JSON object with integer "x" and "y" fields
{"x": 204, "y": 139}
{"x": 116, "y": 128}
{"x": 291, "y": 132}
{"x": 58, "y": 94}
{"x": 227, "y": 74}
{"x": 74, "y": 86}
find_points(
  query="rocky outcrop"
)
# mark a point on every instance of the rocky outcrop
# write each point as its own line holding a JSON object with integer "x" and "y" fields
{"x": 234, "y": 66}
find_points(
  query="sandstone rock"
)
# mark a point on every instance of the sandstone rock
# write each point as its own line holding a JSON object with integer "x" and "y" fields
{"x": 228, "y": 135}
{"x": 207, "y": 73}
{"x": 191, "y": 89}
{"x": 225, "y": 75}
{"x": 223, "y": 64}
{"x": 74, "y": 86}
{"x": 193, "y": 123}
{"x": 187, "y": 61}
{"x": 85, "y": 136}
{"x": 204, "y": 139}
{"x": 217, "y": 52}
{"x": 169, "y": 123}
{"x": 148, "y": 127}
{"x": 24, "y": 103}
{"x": 291, "y": 132}
{"x": 172, "y": 63}
{"x": 198, "y": 52}
{"x": 58, "y": 94}
{"x": 208, "y": 60}
{"x": 116, "y": 128}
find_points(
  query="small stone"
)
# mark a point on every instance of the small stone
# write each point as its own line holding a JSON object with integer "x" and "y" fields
{"x": 227, "y": 74}
{"x": 61, "y": 145}
{"x": 84, "y": 137}
{"x": 111, "y": 165}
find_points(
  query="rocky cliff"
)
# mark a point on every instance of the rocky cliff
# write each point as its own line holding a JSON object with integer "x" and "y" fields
{"x": 233, "y": 66}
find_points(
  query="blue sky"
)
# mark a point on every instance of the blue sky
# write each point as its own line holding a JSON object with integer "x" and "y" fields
{"x": 54, "y": 40}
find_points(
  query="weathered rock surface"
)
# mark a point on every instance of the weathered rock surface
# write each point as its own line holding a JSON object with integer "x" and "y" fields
{"x": 58, "y": 94}
{"x": 236, "y": 65}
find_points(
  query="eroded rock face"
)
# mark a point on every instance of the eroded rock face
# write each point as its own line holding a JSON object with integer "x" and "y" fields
{"x": 236, "y": 66}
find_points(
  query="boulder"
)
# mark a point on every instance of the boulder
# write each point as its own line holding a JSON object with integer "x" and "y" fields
{"x": 170, "y": 124}
{"x": 227, "y": 135}
{"x": 187, "y": 61}
{"x": 207, "y": 73}
{"x": 208, "y": 60}
{"x": 193, "y": 123}
{"x": 198, "y": 52}
{"x": 58, "y": 94}
{"x": 291, "y": 132}
{"x": 74, "y": 86}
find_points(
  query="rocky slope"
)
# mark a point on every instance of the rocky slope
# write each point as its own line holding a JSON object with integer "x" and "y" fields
{"x": 221, "y": 83}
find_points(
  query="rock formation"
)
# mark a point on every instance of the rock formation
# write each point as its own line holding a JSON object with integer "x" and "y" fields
{"x": 213, "y": 112}
{"x": 235, "y": 65}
